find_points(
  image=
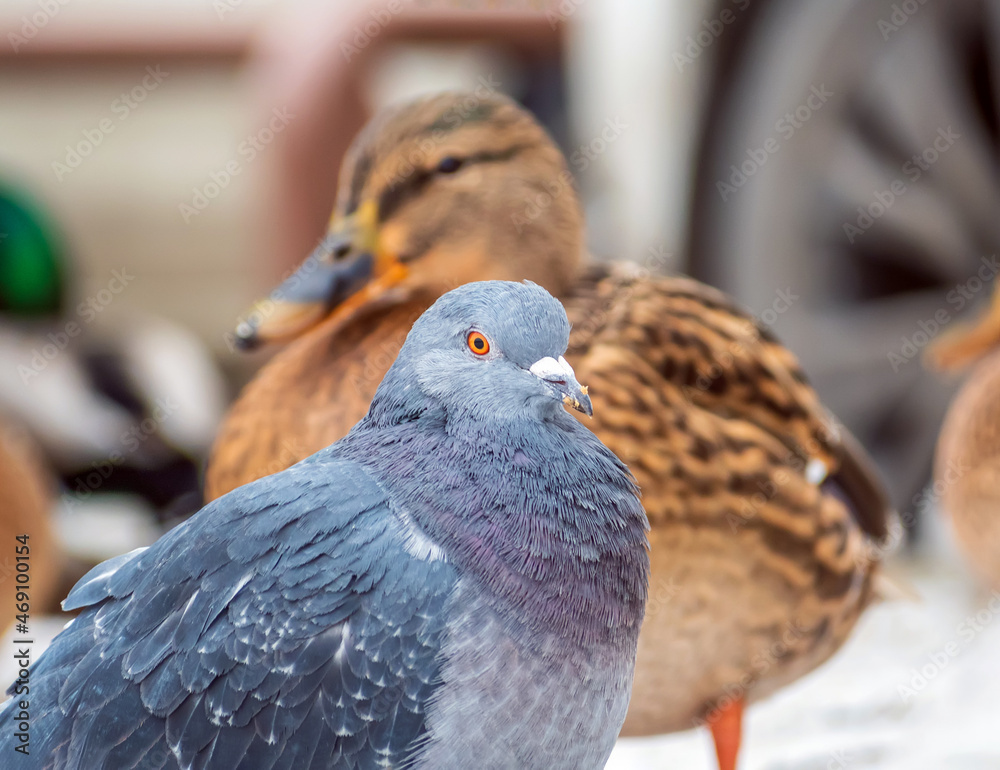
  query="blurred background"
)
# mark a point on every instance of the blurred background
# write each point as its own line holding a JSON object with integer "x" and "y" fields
{"x": 833, "y": 165}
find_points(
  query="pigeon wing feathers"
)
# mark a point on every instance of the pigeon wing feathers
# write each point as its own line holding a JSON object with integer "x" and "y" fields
{"x": 285, "y": 622}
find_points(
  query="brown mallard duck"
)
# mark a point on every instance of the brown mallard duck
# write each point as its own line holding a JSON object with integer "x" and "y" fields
{"x": 765, "y": 516}
{"x": 26, "y": 503}
{"x": 967, "y": 461}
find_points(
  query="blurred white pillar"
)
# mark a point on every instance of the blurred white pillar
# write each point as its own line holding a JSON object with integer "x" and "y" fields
{"x": 623, "y": 73}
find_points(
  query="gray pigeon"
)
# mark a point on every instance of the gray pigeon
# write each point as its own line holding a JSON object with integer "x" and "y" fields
{"x": 458, "y": 583}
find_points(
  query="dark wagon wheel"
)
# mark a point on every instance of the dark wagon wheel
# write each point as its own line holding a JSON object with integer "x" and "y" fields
{"x": 864, "y": 136}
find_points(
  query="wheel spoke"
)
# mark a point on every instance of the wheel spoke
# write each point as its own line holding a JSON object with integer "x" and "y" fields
{"x": 920, "y": 216}
{"x": 924, "y": 88}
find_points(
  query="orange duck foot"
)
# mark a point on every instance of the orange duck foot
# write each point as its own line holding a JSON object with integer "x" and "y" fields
{"x": 726, "y": 732}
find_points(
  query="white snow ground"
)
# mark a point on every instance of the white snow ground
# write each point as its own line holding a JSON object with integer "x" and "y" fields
{"x": 856, "y": 711}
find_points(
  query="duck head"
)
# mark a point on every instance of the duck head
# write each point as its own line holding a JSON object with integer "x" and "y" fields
{"x": 447, "y": 190}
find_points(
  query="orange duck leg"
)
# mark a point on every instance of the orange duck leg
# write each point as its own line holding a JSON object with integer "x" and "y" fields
{"x": 727, "y": 731}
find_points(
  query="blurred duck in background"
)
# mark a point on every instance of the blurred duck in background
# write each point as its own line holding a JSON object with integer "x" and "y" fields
{"x": 27, "y": 498}
{"x": 967, "y": 463}
{"x": 130, "y": 409}
{"x": 767, "y": 520}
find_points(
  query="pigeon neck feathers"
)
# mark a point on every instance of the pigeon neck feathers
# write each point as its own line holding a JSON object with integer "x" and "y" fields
{"x": 538, "y": 512}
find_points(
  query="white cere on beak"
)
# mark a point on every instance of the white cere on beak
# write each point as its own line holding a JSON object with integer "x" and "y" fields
{"x": 549, "y": 369}
{"x": 559, "y": 376}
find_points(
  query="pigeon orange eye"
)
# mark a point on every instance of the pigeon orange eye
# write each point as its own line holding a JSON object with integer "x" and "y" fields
{"x": 478, "y": 343}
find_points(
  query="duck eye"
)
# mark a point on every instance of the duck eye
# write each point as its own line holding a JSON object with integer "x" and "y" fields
{"x": 478, "y": 343}
{"x": 449, "y": 164}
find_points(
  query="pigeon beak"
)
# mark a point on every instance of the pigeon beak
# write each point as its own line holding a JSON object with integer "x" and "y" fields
{"x": 561, "y": 378}
{"x": 345, "y": 271}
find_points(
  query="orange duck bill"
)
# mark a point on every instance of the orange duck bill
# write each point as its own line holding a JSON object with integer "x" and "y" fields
{"x": 344, "y": 272}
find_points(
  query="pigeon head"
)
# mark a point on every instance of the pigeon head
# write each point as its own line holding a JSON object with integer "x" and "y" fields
{"x": 487, "y": 350}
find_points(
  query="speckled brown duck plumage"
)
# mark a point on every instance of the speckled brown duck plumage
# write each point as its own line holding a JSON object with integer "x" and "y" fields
{"x": 766, "y": 518}
{"x": 967, "y": 462}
